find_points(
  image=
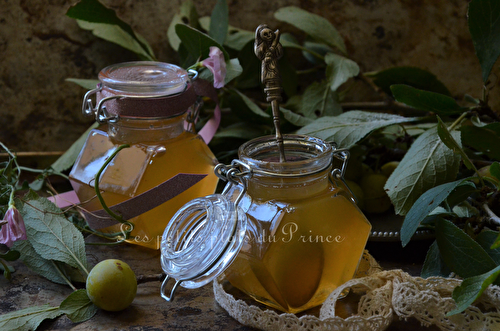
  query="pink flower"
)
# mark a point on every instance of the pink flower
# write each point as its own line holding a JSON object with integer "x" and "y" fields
{"x": 217, "y": 65}
{"x": 14, "y": 229}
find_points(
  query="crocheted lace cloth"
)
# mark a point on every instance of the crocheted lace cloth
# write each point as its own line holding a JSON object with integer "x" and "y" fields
{"x": 380, "y": 296}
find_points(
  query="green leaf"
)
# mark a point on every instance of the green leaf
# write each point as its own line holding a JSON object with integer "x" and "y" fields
{"x": 495, "y": 169}
{"x": 426, "y": 164}
{"x": 196, "y": 42}
{"x": 465, "y": 210}
{"x": 461, "y": 253}
{"x": 411, "y": 76}
{"x": 471, "y": 289}
{"x": 427, "y": 101}
{"x": 339, "y": 69}
{"x": 78, "y": 307}
{"x": 434, "y": 264}
{"x": 219, "y": 22}
{"x": 38, "y": 264}
{"x": 233, "y": 70}
{"x": 453, "y": 144}
{"x": 12, "y": 254}
{"x": 424, "y": 205}
{"x": 94, "y": 11}
{"x": 314, "y": 52}
{"x": 496, "y": 244}
{"x": 240, "y": 130}
{"x": 485, "y": 139}
{"x": 37, "y": 184}
{"x": 295, "y": 118}
{"x": 187, "y": 15}
{"x": 53, "y": 237}
{"x": 461, "y": 193}
{"x": 6, "y": 269}
{"x": 484, "y": 27}
{"x": 289, "y": 77}
{"x": 236, "y": 38}
{"x": 250, "y": 76}
{"x": 118, "y": 36}
{"x": 28, "y": 319}
{"x": 66, "y": 161}
{"x": 251, "y": 105}
{"x": 314, "y": 25}
{"x": 350, "y": 127}
{"x": 92, "y": 15}
{"x": 486, "y": 238}
{"x": 319, "y": 100}
{"x": 88, "y": 84}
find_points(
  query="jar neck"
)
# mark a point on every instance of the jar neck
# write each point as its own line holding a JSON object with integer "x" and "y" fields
{"x": 288, "y": 188}
{"x": 133, "y": 130}
{"x": 304, "y": 172}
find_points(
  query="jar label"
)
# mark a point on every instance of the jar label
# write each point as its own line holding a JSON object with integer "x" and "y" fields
{"x": 122, "y": 175}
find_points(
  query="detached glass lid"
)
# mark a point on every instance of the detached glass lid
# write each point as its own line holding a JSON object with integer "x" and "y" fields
{"x": 201, "y": 241}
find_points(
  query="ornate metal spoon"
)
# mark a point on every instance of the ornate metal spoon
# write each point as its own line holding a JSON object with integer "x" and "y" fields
{"x": 268, "y": 49}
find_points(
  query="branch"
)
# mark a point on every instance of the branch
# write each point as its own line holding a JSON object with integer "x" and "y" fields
{"x": 150, "y": 278}
{"x": 493, "y": 217}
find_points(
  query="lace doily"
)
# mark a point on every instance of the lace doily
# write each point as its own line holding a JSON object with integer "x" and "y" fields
{"x": 381, "y": 296}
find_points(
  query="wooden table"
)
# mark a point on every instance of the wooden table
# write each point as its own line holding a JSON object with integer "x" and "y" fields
{"x": 192, "y": 309}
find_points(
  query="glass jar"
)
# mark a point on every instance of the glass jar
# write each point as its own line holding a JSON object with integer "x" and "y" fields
{"x": 144, "y": 105}
{"x": 285, "y": 233}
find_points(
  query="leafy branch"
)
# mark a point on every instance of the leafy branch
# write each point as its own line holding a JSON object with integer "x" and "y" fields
{"x": 434, "y": 139}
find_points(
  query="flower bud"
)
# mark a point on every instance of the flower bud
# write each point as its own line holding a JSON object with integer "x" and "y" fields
{"x": 217, "y": 65}
{"x": 14, "y": 229}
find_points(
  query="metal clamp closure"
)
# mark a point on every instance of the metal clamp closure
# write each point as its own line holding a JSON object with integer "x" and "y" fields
{"x": 234, "y": 176}
{"x": 87, "y": 106}
{"x": 343, "y": 155}
{"x": 100, "y": 112}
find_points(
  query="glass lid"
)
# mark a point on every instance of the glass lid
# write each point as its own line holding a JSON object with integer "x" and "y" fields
{"x": 201, "y": 241}
{"x": 145, "y": 77}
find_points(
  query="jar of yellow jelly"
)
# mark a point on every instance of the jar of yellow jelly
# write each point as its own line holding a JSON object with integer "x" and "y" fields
{"x": 285, "y": 233}
{"x": 159, "y": 165}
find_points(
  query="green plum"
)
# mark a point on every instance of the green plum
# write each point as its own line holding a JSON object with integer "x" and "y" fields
{"x": 111, "y": 285}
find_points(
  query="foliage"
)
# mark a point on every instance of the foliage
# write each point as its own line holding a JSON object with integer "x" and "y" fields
{"x": 54, "y": 249}
{"x": 439, "y": 141}
{"x": 437, "y": 150}
{"x": 433, "y": 185}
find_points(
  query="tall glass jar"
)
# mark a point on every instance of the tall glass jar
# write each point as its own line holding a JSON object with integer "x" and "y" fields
{"x": 297, "y": 232}
{"x": 144, "y": 105}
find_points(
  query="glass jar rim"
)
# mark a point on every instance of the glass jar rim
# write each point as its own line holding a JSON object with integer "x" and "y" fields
{"x": 304, "y": 155}
{"x": 144, "y": 77}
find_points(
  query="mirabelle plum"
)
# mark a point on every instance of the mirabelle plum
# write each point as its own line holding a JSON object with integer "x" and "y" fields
{"x": 111, "y": 285}
{"x": 388, "y": 168}
{"x": 376, "y": 199}
{"x": 358, "y": 193}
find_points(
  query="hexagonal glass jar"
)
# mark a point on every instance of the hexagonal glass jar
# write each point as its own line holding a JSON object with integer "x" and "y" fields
{"x": 297, "y": 235}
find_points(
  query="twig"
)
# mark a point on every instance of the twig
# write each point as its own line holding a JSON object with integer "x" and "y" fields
{"x": 63, "y": 276}
{"x": 33, "y": 154}
{"x": 493, "y": 217}
{"x": 119, "y": 218}
{"x": 150, "y": 278}
{"x": 370, "y": 83}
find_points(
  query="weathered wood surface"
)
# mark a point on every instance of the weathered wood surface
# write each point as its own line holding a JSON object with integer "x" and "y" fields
{"x": 192, "y": 309}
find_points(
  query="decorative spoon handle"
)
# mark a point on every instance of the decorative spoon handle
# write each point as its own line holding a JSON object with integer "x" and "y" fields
{"x": 268, "y": 49}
